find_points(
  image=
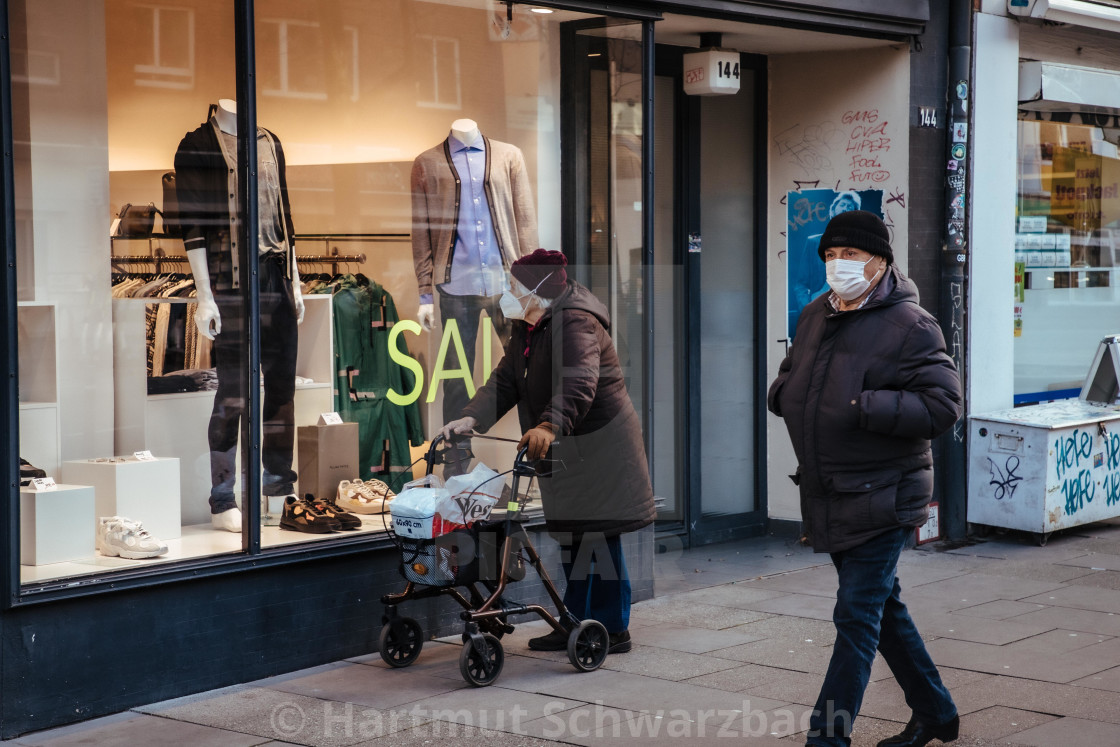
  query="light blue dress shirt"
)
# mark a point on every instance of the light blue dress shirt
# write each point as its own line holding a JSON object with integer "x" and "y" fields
{"x": 476, "y": 266}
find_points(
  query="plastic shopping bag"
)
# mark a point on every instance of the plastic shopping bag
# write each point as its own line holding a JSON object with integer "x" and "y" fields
{"x": 415, "y": 508}
{"x": 472, "y": 496}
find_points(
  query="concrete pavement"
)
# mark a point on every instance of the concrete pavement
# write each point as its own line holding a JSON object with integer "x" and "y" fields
{"x": 733, "y": 647}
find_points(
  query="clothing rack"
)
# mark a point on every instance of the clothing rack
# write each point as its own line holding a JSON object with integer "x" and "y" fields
{"x": 158, "y": 259}
{"x": 347, "y": 238}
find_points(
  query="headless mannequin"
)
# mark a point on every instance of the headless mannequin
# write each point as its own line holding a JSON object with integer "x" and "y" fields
{"x": 207, "y": 317}
{"x": 466, "y": 132}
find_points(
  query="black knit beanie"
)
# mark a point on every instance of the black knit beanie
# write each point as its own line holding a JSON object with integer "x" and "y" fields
{"x": 859, "y": 229}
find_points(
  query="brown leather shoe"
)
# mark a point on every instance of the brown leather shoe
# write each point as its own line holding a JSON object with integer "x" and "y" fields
{"x": 554, "y": 641}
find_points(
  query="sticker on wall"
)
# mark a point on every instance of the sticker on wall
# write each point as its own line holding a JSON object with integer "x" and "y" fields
{"x": 694, "y": 243}
{"x": 953, "y": 164}
{"x": 960, "y": 132}
{"x": 962, "y": 90}
{"x": 807, "y": 213}
{"x": 958, "y": 151}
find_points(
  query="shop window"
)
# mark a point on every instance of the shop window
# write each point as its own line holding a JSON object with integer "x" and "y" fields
{"x": 438, "y": 85}
{"x": 167, "y": 52}
{"x": 133, "y": 400}
{"x": 1067, "y": 249}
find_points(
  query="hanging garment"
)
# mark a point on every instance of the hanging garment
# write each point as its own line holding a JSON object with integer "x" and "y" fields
{"x": 363, "y": 316}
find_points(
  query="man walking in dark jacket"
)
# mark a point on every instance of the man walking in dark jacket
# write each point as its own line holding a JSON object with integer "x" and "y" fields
{"x": 864, "y": 388}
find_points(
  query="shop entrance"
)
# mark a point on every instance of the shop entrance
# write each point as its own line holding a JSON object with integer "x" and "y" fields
{"x": 708, "y": 444}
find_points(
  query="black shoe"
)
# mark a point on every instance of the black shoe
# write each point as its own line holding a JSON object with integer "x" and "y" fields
{"x": 554, "y": 641}
{"x": 620, "y": 642}
{"x": 918, "y": 734}
{"x": 330, "y": 509}
{"x": 301, "y": 516}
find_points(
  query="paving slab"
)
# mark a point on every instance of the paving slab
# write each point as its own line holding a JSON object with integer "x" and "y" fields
{"x": 820, "y": 581}
{"x": 596, "y": 725}
{"x": 1088, "y": 621}
{"x": 1024, "y": 663}
{"x": 284, "y": 716}
{"x": 431, "y": 733}
{"x": 1000, "y": 609}
{"x": 665, "y": 664}
{"x": 708, "y": 616}
{"x": 738, "y": 595}
{"x": 806, "y": 630}
{"x": 495, "y": 707}
{"x": 1058, "y": 641}
{"x": 1079, "y": 597}
{"x": 741, "y": 678}
{"x": 370, "y": 686}
{"x": 636, "y": 692}
{"x": 1109, "y": 679}
{"x": 1069, "y": 732}
{"x": 1099, "y": 580}
{"x": 977, "y": 588}
{"x": 798, "y": 605}
{"x": 1096, "y": 561}
{"x": 1001, "y": 722}
{"x": 127, "y": 729}
{"x": 695, "y": 640}
{"x": 796, "y": 656}
{"x": 790, "y": 686}
{"x": 1042, "y": 697}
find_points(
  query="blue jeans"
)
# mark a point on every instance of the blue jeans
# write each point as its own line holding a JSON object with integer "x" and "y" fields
{"x": 598, "y": 585}
{"x": 869, "y": 614}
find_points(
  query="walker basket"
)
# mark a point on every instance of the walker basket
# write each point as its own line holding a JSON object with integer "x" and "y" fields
{"x": 448, "y": 560}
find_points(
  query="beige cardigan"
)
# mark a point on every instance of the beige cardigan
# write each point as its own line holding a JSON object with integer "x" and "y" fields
{"x": 435, "y": 209}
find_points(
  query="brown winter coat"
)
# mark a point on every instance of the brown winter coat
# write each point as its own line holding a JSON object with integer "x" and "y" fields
{"x": 862, "y": 393}
{"x": 572, "y": 380}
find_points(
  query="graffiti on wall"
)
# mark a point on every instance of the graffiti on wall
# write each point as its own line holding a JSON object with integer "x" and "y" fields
{"x": 1080, "y": 469}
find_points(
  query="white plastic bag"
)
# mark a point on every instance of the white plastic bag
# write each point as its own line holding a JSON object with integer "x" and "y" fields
{"x": 415, "y": 507}
{"x": 472, "y": 496}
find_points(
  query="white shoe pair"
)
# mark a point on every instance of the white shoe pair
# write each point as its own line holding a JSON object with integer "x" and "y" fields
{"x": 118, "y": 536}
{"x": 369, "y": 497}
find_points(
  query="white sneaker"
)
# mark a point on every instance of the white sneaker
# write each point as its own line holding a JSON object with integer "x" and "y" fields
{"x": 360, "y": 497}
{"x": 119, "y": 536}
{"x": 229, "y": 520}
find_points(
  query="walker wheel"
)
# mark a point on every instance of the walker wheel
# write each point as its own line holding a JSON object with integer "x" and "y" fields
{"x": 588, "y": 645}
{"x": 399, "y": 647}
{"x": 482, "y": 668}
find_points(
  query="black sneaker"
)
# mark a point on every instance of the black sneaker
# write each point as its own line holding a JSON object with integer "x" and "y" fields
{"x": 300, "y": 516}
{"x": 620, "y": 642}
{"x": 554, "y": 641}
{"x": 331, "y": 510}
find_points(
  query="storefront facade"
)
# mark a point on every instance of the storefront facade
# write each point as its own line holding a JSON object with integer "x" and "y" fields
{"x": 1052, "y": 79}
{"x": 690, "y": 217}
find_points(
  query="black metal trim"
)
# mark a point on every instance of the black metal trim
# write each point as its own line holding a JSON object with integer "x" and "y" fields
{"x": 648, "y": 201}
{"x": 761, "y": 267}
{"x": 605, "y": 8}
{"x": 9, "y": 331}
{"x": 245, "y": 54}
{"x": 896, "y": 20}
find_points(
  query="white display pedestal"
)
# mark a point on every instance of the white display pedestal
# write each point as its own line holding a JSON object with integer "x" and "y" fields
{"x": 57, "y": 525}
{"x": 142, "y": 490}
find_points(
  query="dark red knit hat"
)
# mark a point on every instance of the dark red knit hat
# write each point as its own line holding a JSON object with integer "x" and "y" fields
{"x": 542, "y": 265}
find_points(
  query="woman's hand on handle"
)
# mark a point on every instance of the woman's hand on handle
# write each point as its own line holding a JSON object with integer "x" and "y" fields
{"x": 537, "y": 440}
{"x": 456, "y": 427}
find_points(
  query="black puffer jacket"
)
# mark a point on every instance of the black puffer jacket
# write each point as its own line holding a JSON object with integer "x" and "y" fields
{"x": 862, "y": 393}
{"x": 570, "y": 378}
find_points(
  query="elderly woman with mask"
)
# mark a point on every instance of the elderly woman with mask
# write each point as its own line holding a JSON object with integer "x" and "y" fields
{"x": 562, "y": 372}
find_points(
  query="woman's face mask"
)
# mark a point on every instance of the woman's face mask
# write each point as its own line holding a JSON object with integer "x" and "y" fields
{"x": 846, "y": 277}
{"x": 511, "y": 305}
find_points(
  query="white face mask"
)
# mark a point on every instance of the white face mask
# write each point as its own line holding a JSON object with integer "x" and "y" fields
{"x": 511, "y": 304}
{"x": 845, "y": 277}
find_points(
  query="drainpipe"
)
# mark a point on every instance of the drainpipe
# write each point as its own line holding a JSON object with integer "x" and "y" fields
{"x": 954, "y": 260}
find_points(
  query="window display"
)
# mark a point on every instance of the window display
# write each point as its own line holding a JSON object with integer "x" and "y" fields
{"x": 1067, "y": 249}
{"x": 407, "y": 155}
